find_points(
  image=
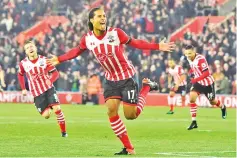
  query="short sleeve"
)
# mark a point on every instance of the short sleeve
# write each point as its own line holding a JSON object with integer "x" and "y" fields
{"x": 21, "y": 69}
{"x": 82, "y": 44}
{"x": 202, "y": 64}
{"x": 123, "y": 37}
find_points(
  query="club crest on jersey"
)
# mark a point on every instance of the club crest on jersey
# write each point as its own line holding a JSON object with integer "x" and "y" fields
{"x": 102, "y": 57}
{"x": 204, "y": 65}
{"x": 41, "y": 62}
{"x": 111, "y": 39}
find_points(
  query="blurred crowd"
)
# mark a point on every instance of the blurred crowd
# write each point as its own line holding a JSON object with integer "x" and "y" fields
{"x": 218, "y": 45}
{"x": 151, "y": 20}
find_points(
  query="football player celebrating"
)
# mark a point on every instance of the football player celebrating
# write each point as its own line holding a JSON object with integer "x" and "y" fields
{"x": 202, "y": 83}
{"x": 106, "y": 43}
{"x": 41, "y": 78}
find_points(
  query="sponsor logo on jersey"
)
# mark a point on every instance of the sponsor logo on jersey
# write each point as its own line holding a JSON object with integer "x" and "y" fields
{"x": 102, "y": 57}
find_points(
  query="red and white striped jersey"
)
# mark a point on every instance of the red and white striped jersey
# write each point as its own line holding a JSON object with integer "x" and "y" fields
{"x": 109, "y": 52}
{"x": 176, "y": 73}
{"x": 37, "y": 72}
{"x": 198, "y": 66}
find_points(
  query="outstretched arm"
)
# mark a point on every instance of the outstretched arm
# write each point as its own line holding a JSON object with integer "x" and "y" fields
{"x": 162, "y": 46}
{"x": 142, "y": 44}
{"x": 71, "y": 54}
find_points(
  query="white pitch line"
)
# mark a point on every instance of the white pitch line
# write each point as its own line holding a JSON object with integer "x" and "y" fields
{"x": 207, "y": 152}
{"x": 187, "y": 154}
{"x": 205, "y": 130}
{"x": 176, "y": 154}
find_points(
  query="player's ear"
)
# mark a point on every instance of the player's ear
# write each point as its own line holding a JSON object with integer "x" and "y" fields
{"x": 92, "y": 21}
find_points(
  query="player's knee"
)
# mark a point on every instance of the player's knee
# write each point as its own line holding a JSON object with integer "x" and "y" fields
{"x": 56, "y": 108}
{"x": 212, "y": 102}
{"x": 46, "y": 115}
{"x": 192, "y": 100}
{"x": 172, "y": 94}
{"x": 131, "y": 117}
{"x": 112, "y": 112}
{"x": 193, "y": 97}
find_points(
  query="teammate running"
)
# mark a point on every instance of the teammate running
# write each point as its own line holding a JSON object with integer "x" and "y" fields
{"x": 41, "y": 78}
{"x": 203, "y": 83}
{"x": 176, "y": 73}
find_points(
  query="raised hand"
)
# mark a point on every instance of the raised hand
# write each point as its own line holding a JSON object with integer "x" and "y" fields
{"x": 166, "y": 47}
{"x": 53, "y": 60}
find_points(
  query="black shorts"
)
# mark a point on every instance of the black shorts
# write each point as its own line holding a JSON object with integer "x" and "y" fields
{"x": 209, "y": 91}
{"x": 46, "y": 99}
{"x": 125, "y": 90}
{"x": 181, "y": 90}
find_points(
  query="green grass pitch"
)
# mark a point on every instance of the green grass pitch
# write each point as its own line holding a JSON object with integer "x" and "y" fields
{"x": 24, "y": 133}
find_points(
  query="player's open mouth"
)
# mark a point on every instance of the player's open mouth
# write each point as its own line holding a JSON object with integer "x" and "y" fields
{"x": 102, "y": 23}
{"x": 32, "y": 51}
